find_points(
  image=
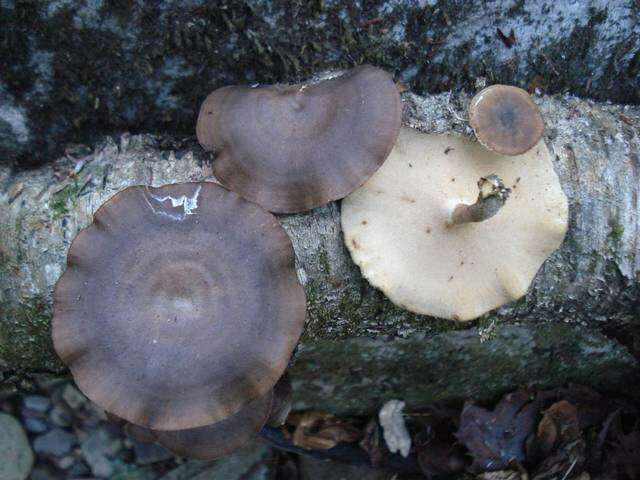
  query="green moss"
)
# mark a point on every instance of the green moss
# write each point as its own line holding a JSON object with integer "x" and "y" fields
{"x": 594, "y": 262}
{"x": 63, "y": 201}
{"x": 357, "y": 375}
{"x": 25, "y": 336}
{"x": 317, "y": 314}
{"x": 617, "y": 231}
{"x": 323, "y": 261}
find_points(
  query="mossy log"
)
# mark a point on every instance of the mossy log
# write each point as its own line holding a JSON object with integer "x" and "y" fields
{"x": 579, "y": 322}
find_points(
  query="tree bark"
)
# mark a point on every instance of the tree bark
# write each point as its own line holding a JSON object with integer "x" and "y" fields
{"x": 580, "y": 313}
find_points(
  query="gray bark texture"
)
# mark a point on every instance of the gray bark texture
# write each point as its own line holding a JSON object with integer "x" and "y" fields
{"x": 579, "y": 322}
{"x": 71, "y": 69}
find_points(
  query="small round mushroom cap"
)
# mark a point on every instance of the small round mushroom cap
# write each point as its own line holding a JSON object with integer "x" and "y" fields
{"x": 282, "y": 400}
{"x": 221, "y": 438}
{"x": 397, "y": 226}
{"x": 505, "y": 119}
{"x": 179, "y": 305}
{"x": 293, "y": 148}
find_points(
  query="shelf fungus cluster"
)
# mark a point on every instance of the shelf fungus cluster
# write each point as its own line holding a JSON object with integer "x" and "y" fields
{"x": 451, "y": 229}
{"x": 178, "y": 312}
{"x": 180, "y": 306}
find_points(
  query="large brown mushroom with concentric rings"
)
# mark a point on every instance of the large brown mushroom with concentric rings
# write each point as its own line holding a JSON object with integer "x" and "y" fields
{"x": 293, "y": 148}
{"x": 179, "y": 305}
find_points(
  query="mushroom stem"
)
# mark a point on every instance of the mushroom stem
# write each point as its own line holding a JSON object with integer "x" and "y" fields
{"x": 491, "y": 197}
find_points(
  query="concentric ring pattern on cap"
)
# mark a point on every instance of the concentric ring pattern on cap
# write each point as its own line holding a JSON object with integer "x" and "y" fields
{"x": 293, "y": 148}
{"x": 179, "y": 305}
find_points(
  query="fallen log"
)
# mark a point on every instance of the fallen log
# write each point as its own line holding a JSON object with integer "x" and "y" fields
{"x": 581, "y": 310}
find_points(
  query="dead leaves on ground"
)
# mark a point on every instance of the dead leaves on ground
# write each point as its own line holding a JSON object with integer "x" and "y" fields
{"x": 566, "y": 433}
{"x": 496, "y": 438}
{"x": 321, "y": 430}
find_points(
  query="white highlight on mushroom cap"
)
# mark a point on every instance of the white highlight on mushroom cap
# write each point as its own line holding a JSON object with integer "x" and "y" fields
{"x": 188, "y": 204}
{"x": 395, "y": 225}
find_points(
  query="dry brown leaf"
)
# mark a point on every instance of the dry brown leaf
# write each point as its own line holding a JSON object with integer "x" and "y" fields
{"x": 321, "y": 430}
{"x": 566, "y": 455}
{"x": 371, "y": 443}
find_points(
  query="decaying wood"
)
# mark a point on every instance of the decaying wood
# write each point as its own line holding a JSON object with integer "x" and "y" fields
{"x": 592, "y": 280}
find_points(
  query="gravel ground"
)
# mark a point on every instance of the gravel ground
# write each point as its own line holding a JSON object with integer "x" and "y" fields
{"x": 57, "y": 433}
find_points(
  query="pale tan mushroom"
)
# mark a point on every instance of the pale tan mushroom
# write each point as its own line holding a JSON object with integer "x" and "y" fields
{"x": 415, "y": 233}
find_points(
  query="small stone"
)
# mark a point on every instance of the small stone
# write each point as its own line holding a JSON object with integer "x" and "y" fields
{"x": 37, "y": 403}
{"x": 65, "y": 462}
{"x": 148, "y": 453}
{"x": 57, "y": 442}
{"x": 41, "y": 474}
{"x": 35, "y": 425}
{"x": 16, "y": 457}
{"x": 98, "y": 447}
{"x": 91, "y": 415}
{"x": 80, "y": 469}
{"x": 132, "y": 472}
{"x": 100, "y": 466}
{"x": 73, "y": 397}
{"x": 60, "y": 416}
{"x": 47, "y": 382}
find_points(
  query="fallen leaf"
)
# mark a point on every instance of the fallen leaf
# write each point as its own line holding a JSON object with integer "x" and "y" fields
{"x": 496, "y": 438}
{"x": 321, "y": 430}
{"x": 593, "y": 408}
{"x": 395, "y": 432}
{"x": 371, "y": 443}
{"x": 566, "y": 453}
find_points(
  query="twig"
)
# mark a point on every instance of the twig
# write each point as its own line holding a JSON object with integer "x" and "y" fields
{"x": 570, "y": 468}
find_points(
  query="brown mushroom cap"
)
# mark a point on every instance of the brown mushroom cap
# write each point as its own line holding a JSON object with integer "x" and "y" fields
{"x": 297, "y": 147}
{"x": 505, "y": 119}
{"x": 175, "y": 296}
{"x": 221, "y": 438}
